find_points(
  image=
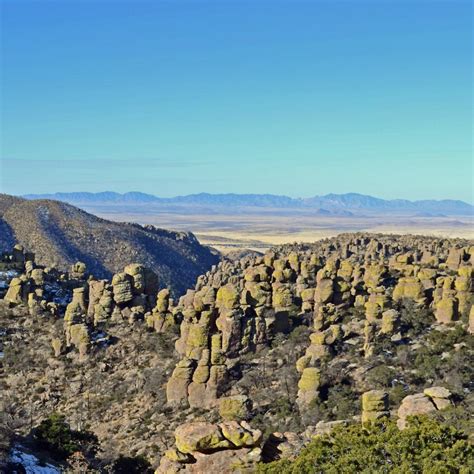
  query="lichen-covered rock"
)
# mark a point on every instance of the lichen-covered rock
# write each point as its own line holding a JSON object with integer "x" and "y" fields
{"x": 79, "y": 271}
{"x": 446, "y": 310}
{"x": 103, "y": 309}
{"x": 374, "y": 275}
{"x": 78, "y": 335}
{"x": 440, "y": 396}
{"x": 240, "y": 435}
{"x": 76, "y": 310}
{"x": 374, "y": 405}
{"x": 38, "y": 277}
{"x": 234, "y": 407}
{"x": 390, "y": 319}
{"x": 228, "y": 297}
{"x": 197, "y": 340}
{"x": 123, "y": 288}
{"x": 15, "y": 292}
{"x": 256, "y": 294}
{"x": 409, "y": 288}
{"x": 200, "y": 436}
{"x": 96, "y": 290}
{"x": 203, "y": 447}
{"x": 163, "y": 301}
{"x": 308, "y": 385}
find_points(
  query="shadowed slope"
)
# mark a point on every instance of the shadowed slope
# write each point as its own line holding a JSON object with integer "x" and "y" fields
{"x": 60, "y": 234}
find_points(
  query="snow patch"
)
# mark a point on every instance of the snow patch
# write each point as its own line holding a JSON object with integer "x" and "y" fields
{"x": 6, "y": 277}
{"x": 31, "y": 463}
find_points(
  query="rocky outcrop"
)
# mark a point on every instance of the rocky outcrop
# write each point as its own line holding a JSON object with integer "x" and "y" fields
{"x": 161, "y": 319}
{"x": 238, "y": 307}
{"x": 208, "y": 447}
{"x": 350, "y": 291}
{"x": 431, "y": 400}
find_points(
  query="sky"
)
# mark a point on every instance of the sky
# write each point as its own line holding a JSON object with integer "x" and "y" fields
{"x": 299, "y": 98}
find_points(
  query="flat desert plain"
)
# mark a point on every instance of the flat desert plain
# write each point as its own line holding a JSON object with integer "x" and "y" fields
{"x": 260, "y": 228}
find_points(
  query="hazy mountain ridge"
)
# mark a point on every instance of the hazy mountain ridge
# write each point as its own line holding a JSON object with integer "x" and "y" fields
{"x": 334, "y": 203}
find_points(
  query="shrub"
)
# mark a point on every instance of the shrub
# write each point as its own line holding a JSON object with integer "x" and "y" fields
{"x": 55, "y": 436}
{"x": 426, "y": 446}
{"x": 129, "y": 465}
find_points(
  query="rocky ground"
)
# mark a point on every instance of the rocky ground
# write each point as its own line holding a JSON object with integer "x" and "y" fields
{"x": 263, "y": 354}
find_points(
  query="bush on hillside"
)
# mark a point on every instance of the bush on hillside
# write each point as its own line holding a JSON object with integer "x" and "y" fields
{"x": 56, "y": 436}
{"x": 425, "y": 446}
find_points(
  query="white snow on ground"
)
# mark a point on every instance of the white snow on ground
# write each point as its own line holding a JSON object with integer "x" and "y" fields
{"x": 31, "y": 463}
{"x": 5, "y": 278}
{"x": 57, "y": 294}
{"x": 8, "y": 274}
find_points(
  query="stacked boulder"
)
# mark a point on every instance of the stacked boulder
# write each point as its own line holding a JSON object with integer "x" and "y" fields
{"x": 128, "y": 297}
{"x": 235, "y": 309}
{"x": 374, "y": 406}
{"x": 209, "y": 447}
{"x": 162, "y": 319}
{"x": 75, "y": 323}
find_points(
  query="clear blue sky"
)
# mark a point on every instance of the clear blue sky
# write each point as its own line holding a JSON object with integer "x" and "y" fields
{"x": 284, "y": 97}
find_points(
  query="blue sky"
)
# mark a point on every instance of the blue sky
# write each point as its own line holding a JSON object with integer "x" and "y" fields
{"x": 283, "y": 97}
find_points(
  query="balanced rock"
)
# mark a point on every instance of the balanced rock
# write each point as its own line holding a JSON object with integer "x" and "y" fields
{"x": 123, "y": 289}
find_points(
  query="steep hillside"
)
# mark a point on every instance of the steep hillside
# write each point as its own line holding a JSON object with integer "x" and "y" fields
{"x": 60, "y": 235}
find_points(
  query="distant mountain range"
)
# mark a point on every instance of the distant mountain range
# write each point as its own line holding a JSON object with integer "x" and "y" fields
{"x": 329, "y": 204}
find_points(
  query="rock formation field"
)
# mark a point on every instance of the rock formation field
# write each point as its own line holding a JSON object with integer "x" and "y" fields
{"x": 262, "y": 363}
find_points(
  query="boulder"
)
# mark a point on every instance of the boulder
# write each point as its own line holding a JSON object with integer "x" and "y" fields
{"x": 240, "y": 435}
{"x": 389, "y": 321}
{"x": 228, "y": 297}
{"x": 234, "y": 407}
{"x": 418, "y": 404}
{"x": 446, "y": 310}
{"x": 324, "y": 291}
{"x": 440, "y": 396}
{"x": 122, "y": 284}
{"x": 200, "y": 436}
{"x": 14, "y": 293}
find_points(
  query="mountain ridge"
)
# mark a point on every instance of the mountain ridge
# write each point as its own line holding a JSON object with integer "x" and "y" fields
{"x": 330, "y": 202}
